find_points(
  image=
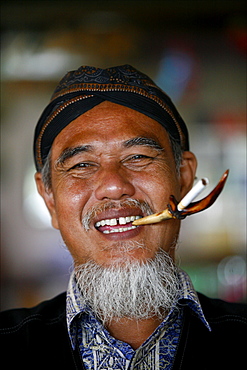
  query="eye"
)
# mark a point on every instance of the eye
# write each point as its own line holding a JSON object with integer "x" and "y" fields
{"x": 81, "y": 165}
{"x": 139, "y": 157}
{"x": 82, "y": 169}
{"x": 138, "y": 161}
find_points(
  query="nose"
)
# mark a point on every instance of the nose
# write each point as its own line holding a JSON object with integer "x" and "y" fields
{"x": 113, "y": 183}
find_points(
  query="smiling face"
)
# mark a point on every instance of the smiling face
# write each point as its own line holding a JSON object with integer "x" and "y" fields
{"x": 109, "y": 166}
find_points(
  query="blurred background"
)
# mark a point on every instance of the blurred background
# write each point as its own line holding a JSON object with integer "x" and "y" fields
{"x": 196, "y": 51}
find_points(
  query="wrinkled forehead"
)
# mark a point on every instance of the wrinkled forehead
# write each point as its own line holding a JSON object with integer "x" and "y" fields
{"x": 110, "y": 126}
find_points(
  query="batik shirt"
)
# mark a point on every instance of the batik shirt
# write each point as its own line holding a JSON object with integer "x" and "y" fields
{"x": 99, "y": 350}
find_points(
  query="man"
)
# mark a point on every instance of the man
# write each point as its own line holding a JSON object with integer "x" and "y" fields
{"x": 110, "y": 148}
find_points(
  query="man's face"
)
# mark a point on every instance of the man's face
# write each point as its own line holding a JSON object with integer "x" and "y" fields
{"x": 104, "y": 157}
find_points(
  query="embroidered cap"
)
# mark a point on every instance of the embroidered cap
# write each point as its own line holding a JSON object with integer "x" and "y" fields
{"x": 86, "y": 87}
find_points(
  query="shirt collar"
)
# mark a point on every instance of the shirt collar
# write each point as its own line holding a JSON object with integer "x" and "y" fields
{"x": 74, "y": 302}
{"x": 75, "y": 305}
{"x": 189, "y": 296}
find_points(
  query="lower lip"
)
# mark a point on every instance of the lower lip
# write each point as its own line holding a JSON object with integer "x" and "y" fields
{"x": 120, "y": 235}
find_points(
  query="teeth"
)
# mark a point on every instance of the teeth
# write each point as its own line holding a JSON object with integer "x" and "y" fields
{"x": 119, "y": 230}
{"x": 122, "y": 221}
{"x": 114, "y": 222}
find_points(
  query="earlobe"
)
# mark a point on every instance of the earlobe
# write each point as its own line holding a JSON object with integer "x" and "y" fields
{"x": 187, "y": 172}
{"x": 48, "y": 197}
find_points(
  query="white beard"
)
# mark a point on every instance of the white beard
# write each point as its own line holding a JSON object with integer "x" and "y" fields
{"x": 133, "y": 289}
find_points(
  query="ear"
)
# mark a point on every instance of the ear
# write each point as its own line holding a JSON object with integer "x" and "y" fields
{"x": 48, "y": 197}
{"x": 187, "y": 172}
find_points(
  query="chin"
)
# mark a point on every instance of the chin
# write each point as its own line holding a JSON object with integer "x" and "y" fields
{"x": 122, "y": 253}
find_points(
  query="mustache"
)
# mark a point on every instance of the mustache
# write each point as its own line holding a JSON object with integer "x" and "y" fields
{"x": 143, "y": 205}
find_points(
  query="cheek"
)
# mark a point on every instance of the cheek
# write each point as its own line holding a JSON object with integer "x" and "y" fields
{"x": 69, "y": 207}
{"x": 70, "y": 199}
{"x": 157, "y": 186}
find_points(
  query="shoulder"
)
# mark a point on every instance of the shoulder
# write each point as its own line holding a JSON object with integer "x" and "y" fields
{"x": 47, "y": 312}
{"x": 217, "y": 310}
{"x": 37, "y": 335}
{"x": 221, "y": 347}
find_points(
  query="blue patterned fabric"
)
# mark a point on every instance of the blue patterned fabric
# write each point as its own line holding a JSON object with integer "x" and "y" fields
{"x": 99, "y": 350}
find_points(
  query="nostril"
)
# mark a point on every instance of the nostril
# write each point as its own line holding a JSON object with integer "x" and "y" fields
{"x": 114, "y": 186}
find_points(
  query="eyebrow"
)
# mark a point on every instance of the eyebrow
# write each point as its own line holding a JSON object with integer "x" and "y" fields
{"x": 143, "y": 141}
{"x": 139, "y": 140}
{"x": 71, "y": 152}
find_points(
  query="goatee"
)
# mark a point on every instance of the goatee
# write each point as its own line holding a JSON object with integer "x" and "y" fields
{"x": 133, "y": 289}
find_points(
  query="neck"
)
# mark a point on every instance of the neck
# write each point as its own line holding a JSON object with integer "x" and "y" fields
{"x": 133, "y": 332}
